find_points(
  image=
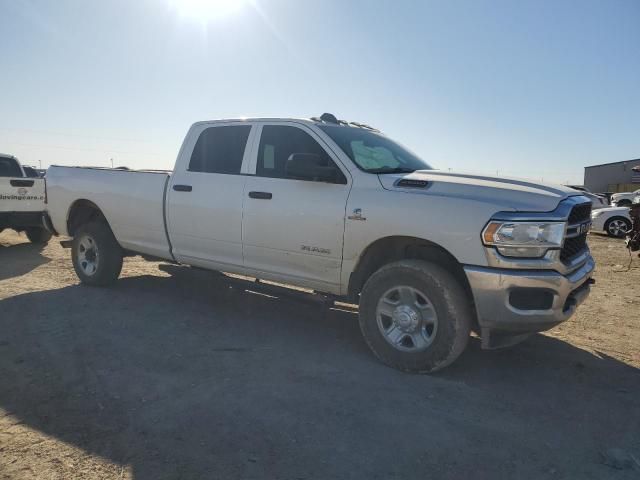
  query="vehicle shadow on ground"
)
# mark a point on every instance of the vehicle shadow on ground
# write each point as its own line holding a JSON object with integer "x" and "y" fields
{"x": 18, "y": 259}
{"x": 194, "y": 375}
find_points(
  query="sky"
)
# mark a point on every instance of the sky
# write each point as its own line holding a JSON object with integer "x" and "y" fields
{"x": 536, "y": 89}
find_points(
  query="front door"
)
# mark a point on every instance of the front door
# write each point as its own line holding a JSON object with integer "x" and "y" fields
{"x": 293, "y": 229}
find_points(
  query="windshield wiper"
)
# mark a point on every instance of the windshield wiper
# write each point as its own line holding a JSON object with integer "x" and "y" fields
{"x": 392, "y": 170}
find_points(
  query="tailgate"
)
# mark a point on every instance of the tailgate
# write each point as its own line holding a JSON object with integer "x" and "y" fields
{"x": 21, "y": 194}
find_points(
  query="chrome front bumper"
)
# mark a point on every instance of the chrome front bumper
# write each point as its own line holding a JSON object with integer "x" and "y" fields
{"x": 492, "y": 292}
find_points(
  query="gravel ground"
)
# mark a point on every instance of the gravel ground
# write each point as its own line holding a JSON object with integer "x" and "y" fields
{"x": 177, "y": 373}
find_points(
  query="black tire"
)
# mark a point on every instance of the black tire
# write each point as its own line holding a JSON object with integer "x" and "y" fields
{"x": 611, "y": 228}
{"x": 99, "y": 264}
{"x": 38, "y": 235}
{"x": 452, "y": 306}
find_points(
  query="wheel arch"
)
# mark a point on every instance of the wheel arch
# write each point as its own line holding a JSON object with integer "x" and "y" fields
{"x": 83, "y": 211}
{"x": 394, "y": 248}
{"x": 617, "y": 217}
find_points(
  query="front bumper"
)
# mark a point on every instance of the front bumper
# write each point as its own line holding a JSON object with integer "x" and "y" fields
{"x": 494, "y": 291}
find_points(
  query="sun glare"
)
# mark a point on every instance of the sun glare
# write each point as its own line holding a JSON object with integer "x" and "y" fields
{"x": 206, "y": 10}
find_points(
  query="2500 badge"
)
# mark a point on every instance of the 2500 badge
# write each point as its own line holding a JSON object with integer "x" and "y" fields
{"x": 308, "y": 248}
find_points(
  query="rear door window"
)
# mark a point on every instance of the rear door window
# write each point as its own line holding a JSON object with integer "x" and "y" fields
{"x": 220, "y": 149}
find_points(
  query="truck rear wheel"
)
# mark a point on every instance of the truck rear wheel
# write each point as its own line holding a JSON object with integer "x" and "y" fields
{"x": 96, "y": 254}
{"x": 415, "y": 316}
{"x": 38, "y": 235}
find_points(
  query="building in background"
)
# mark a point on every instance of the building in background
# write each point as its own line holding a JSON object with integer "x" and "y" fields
{"x": 613, "y": 177}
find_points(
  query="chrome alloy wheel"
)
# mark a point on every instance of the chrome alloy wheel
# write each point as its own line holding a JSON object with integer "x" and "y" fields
{"x": 88, "y": 256}
{"x": 407, "y": 319}
{"x": 617, "y": 228}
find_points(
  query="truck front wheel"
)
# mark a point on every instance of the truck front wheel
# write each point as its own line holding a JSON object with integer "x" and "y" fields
{"x": 415, "y": 316}
{"x": 38, "y": 235}
{"x": 96, "y": 254}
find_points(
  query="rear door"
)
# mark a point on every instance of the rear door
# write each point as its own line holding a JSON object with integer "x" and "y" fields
{"x": 293, "y": 229}
{"x": 204, "y": 201}
{"x": 18, "y": 193}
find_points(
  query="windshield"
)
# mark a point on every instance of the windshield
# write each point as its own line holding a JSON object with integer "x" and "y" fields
{"x": 372, "y": 152}
{"x": 9, "y": 168}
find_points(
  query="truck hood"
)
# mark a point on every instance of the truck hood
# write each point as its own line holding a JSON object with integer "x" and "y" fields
{"x": 510, "y": 194}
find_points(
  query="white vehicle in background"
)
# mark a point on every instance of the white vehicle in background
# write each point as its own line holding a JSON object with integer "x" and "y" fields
{"x": 614, "y": 221}
{"x": 624, "y": 199}
{"x": 597, "y": 201}
{"x": 340, "y": 208}
{"x": 22, "y": 197}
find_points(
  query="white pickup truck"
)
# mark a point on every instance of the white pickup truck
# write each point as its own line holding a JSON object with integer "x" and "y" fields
{"x": 22, "y": 198}
{"x": 342, "y": 209}
{"x": 624, "y": 199}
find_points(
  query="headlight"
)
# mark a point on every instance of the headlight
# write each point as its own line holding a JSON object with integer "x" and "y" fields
{"x": 596, "y": 213}
{"x": 524, "y": 239}
{"x": 636, "y": 199}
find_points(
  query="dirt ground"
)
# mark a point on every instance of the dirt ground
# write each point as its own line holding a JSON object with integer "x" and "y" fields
{"x": 177, "y": 373}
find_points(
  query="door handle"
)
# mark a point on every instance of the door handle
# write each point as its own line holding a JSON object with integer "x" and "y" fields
{"x": 21, "y": 183}
{"x": 261, "y": 195}
{"x": 182, "y": 188}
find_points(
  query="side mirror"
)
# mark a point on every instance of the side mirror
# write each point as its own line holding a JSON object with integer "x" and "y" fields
{"x": 308, "y": 166}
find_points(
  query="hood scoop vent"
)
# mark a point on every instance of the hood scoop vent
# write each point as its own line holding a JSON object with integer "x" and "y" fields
{"x": 409, "y": 183}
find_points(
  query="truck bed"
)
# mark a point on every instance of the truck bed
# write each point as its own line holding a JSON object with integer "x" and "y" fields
{"x": 132, "y": 201}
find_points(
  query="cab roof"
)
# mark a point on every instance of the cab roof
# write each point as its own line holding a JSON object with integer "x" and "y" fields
{"x": 324, "y": 119}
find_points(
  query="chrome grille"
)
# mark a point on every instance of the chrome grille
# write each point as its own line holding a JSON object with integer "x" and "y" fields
{"x": 580, "y": 213}
{"x": 576, "y": 242}
{"x": 573, "y": 246}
